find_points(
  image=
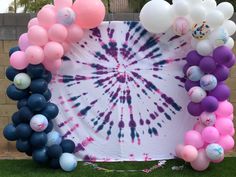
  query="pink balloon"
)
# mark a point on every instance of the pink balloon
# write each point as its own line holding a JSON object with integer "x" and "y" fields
{"x": 232, "y": 133}
{"x": 52, "y": 65}
{"x": 62, "y": 3}
{"x": 50, "y": 6}
{"x": 57, "y": 33}
{"x": 210, "y": 134}
{"x": 189, "y": 153}
{"x": 38, "y": 35}
{"x": 46, "y": 17}
{"x": 224, "y": 126}
{"x": 75, "y": 33}
{"x": 18, "y": 60}
{"x": 181, "y": 26}
{"x": 225, "y": 109}
{"x": 178, "y": 150}
{"x": 201, "y": 163}
{"x": 90, "y": 13}
{"x": 34, "y": 54}
{"x": 199, "y": 127}
{"x": 53, "y": 50}
{"x": 33, "y": 22}
{"x": 227, "y": 142}
{"x": 23, "y": 42}
{"x": 66, "y": 47}
{"x": 193, "y": 138}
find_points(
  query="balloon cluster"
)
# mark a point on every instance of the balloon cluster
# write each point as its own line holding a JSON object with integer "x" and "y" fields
{"x": 39, "y": 55}
{"x": 207, "y": 68}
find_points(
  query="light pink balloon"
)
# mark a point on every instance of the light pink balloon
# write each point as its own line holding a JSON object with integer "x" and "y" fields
{"x": 193, "y": 138}
{"x": 52, "y": 65}
{"x": 90, "y": 13}
{"x": 66, "y": 47}
{"x": 189, "y": 153}
{"x": 23, "y": 42}
{"x": 75, "y": 33}
{"x": 224, "y": 126}
{"x": 178, "y": 150}
{"x": 33, "y": 22}
{"x": 46, "y": 17}
{"x": 199, "y": 127}
{"x": 225, "y": 109}
{"x": 37, "y": 35}
{"x": 18, "y": 60}
{"x": 227, "y": 142}
{"x": 181, "y": 26}
{"x": 62, "y": 3}
{"x": 53, "y": 50}
{"x": 50, "y": 6}
{"x": 210, "y": 134}
{"x": 201, "y": 163}
{"x": 57, "y": 33}
{"x": 34, "y": 54}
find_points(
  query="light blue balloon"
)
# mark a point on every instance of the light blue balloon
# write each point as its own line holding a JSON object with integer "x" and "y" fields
{"x": 53, "y": 138}
{"x": 214, "y": 152}
{"x": 208, "y": 82}
{"x": 68, "y": 162}
{"x": 194, "y": 73}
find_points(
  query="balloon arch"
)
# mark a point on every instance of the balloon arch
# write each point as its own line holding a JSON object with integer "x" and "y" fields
{"x": 57, "y": 26}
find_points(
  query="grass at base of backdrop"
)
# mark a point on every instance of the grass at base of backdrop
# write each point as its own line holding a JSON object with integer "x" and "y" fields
{"x": 23, "y": 168}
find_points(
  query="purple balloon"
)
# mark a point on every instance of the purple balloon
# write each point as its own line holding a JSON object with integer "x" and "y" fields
{"x": 185, "y": 68}
{"x": 209, "y": 104}
{"x": 189, "y": 84}
{"x": 221, "y": 73}
{"x": 193, "y": 58}
{"x": 195, "y": 109}
{"x": 222, "y": 54}
{"x": 221, "y": 92}
{"x": 231, "y": 62}
{"x": 207, "y": 65}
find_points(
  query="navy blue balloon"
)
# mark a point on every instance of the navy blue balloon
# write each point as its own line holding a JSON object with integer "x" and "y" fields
{"x": 38, "y": 139}
{"x": 9, "y": 132}
{"x": 36, "y": 102}
{"x": 23, "y": 145}
{"x": 15, "y": 93}
{"x": 29, "y": 153}
{"x": 68, "y": 146}
{"x": 55, "y": 151}
{"x": 38, "y": 86}
{"x": 16, "y": 118}
{"x": 11, "y": 73}
{"x": 55, "y": 164}
{"x": 23, "y": 131}
{"x": 40, "y": 155}
{"x": 13, "y": 50}
{"x": 25, "y": 114}
{"x": 22, "y": 103}
{"x": 49, "y": 127}
{"x": 50, "y": 111}
{"x": 35, "y": 71}
{"x": 47, "y": 94}
{"x": 47, "y": 76}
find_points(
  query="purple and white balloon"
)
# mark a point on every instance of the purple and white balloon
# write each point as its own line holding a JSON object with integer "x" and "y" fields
{"x": 39, "y": 123}
{"x": 196, "y": 94}
{"x": 208, "y": 82}
{"x": 208, "y": 119}
{"x": 214, "y": 152}
{"x": 194, "y": 73}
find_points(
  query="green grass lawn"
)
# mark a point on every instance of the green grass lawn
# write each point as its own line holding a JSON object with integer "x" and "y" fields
{"x": 27, "y": 168}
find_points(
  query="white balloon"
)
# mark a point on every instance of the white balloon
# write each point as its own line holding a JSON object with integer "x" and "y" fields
{"x": 230, "y": 43}
{"x": 218, "y": 37}
{"x": 215, "y": 18}
{"x": 194, "y": 2}
{"x": 198, "y": 14}
{"x": 68, "y": 162}
{"x": 181, "y": 8}
{"x": 209, "y": 4}
{"x": 22, "y": 81}
{"x": 230, "y": 26}
{"x": 227, "y": 9}
{"x": 204, "y": 47}
{"x": 157, "y": 16}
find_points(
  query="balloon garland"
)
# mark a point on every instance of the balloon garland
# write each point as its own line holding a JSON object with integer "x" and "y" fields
{"x": 207, "y": 68}
{"x": 57, "y": 26}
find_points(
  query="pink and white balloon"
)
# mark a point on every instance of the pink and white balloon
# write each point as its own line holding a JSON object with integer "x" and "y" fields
{"x": 38, "y": 123}
{"x": 196, "y": 94}
{"x": 208, "y": 119}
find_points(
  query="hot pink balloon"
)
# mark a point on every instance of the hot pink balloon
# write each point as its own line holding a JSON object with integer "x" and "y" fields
{"x": 90, "y": 13}
{"x": 75, "y": 33}
{"x": 53, "y": 50}
{"x": 189, "y": 153}
{"x": 232, "y": 133}
{"x": 201, "y": 163}
{"x": 62, "y": 3}
{"x": 34, "y": 54}
{"x": 37, "y": 35}
{"x": 33, "y": 22}
{"x": 231, "y": 117}
{"x": 225, "y": 109}
{"x": 210, "y": 134}
{"x": 46, "y": 17}
{"x": 23, "y": 42}
{"x": 57, "y": 33}
{"x": 199, "y": 127}
{"x": 227, "y": 142}
{"x": 178, "y": 150}
{"x": 224, "y": 126}
{"x": 193, "y": 138}
{"x": 52, "y": 65}
{"x": 18, "y": 60}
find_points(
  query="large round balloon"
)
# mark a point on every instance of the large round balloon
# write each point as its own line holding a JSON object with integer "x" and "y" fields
{"x": 9, "y": 132}
{"x": 53, "y": 137}
{"x": 16, "y": 94}
{"x": 208, "y": 82}
{"x": 36, "y": 102}
{"x": 68, "y": 162}
{"x": 23, "y": 131}
{"x": 38, "y": 86}
{"x": 25, "y": 114}
{"x": 39, "y": 123}
{"x": 50, "y": 111}
{"x": 214, "y": 152}
{"x": 35, "y": 71}
{"x": 22, "y": 81}
{"x": 68, "y": 146}
{"x": 38, "y": 139}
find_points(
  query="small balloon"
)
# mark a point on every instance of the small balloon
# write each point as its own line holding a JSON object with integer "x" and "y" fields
{"x": 196, "y": 94}
{"x": 200, "y": 31}
{"x": 15, "y": 93}
{"x": 53, "y": 50}
{"x": 193, "y": 58}
{"x": 215, "y": 18}
{"x": 210, "y": 134}
{"x": 18, "y": 60}
{"x": 38, "y": 86}
{"x": 208, "y": 82}
{"x": 22, "y": 81}
{"x": 181, "y": 8}
{"x": 224, "y": 126}
{"x": 227, "y": 9}
{"x": 40, "y": 155}
{"x": 35, "y": 71}
{"x": 50, "y": 111}
{"x": 38, "y": 139}
{"x": 225, "y": 109}
{"x": 194, "y": 73}
{"x": 230, "y": 27}
{"x": 68, "y": 162}
{"x": 34, "y": 54}
{"x": 198, "y": 13}
{"x": 207, "y": 65}
{"x": 181, "y": 26}
{"x": 54, "y": 151}
{"x": 23, "y": 131}
{"x": 66, "y": 16}
{"x": 227, "y": 142}
{"x": 53, "y": 138}
{"x": 57, "y": 33}
{"x": 208, "y": 119}
{"x": 222, "y": 54}
{"x": 195, "y": 109}
{"x": 68, "y": 146}
{"x": 38, "y": 123}
{"x": 46, "y": 17}
{"x": 189, "y": 153}
{"x": 23, "y": 42}
{"x": 9, "y": 132}
{"x": 209, "y": 104}
{"x": 25, "y": 113}
{"x": 201, "y": 163}
{"x": 204, "y": 47}
{"x": 37, "y": 35}
{"x": 36, "y": 102}
{"x": 221, "y": 92}
{"x": 75, "y": 33}
{"x": 193, "y": 138}
{"x": 219, "y": 37}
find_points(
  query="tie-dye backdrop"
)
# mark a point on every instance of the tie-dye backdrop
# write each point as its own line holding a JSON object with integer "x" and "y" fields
{"x": 121, "y": 96}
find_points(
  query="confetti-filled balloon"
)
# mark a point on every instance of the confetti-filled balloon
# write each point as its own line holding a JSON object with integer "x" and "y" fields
{"x": 196, "y": 94}
{"x": 208, "y": 119}
{"x": 208, "y": 82}
{"x": 219, "y": 37}
{"x": 194, "y": 73}
{"x": 181, "y": 26}
{"x": 200, "y": 31}
{"x": 214, "y": 152}
{"x": 39, "y": 123}
{"x": 66, "y": 16}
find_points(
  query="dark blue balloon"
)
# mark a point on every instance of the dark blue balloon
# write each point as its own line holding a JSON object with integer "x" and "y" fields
{"x": 49, "y": 127}
{"x": 36, "y": 102}
{"x": 50, "y": 111}
{"x": 25, "y": 114}
{"x": 55, "y": 164}
{"x": 68, "y": 146}
{"x": 47, "y": 76}
{"x": 15, "y": 93}
{"x": 9, "y": 132}
{"x": 11, "y": 73}
{"x": 47, "y": 94}
{"x": 14, "y": 49}
{"x": 35, "y": 71}
{"x": 23, "y": 131}
{"x": 38, "y": 139}
{"x": 38, "y": 86}
{"x": 23, "y": 145}
{"x": 40, "y": 155}
{"x": 29, "y": 153}
{"x": 16, "y": 118}
{"x": 54, "y": 151}
{"x": 22, "y": 103}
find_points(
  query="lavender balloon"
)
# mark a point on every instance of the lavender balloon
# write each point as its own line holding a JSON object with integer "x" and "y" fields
{"x": 221, "y": 73}
{"x": 189, "y": 84}
{"x": 221, "y": 92}
{"x": 194, "y": 73}
{"x": 231, "y": 62}
{"x": 222, "y": 54}
{"x": 193, "y": 58}
{"x": 210, "y": 104}
{"x": 195, "y": 109}
{"x": 208, "y": 82}
{"x": 207, "y": 65}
